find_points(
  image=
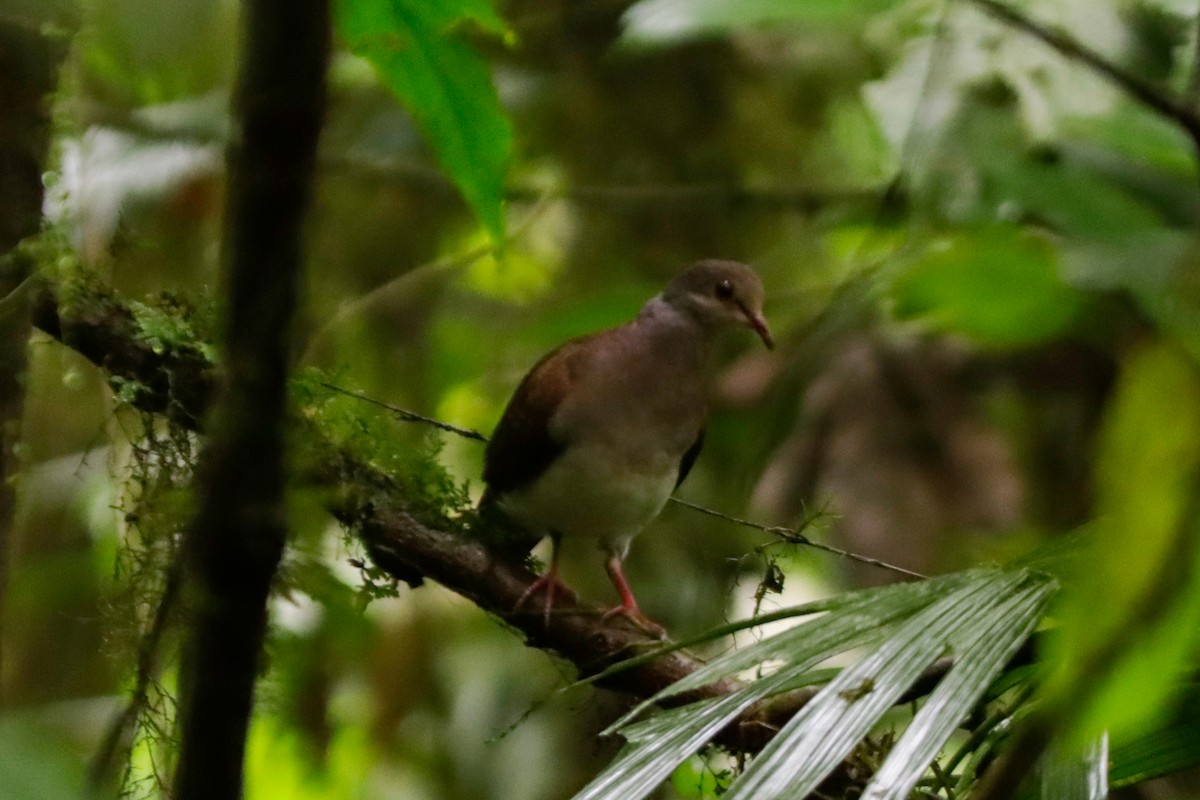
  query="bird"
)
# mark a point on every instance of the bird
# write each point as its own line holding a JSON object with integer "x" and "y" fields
{"x": 603, "y": 429}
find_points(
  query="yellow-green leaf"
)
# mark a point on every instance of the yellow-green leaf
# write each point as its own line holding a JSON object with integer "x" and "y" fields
{"x": 1130, "y": 616}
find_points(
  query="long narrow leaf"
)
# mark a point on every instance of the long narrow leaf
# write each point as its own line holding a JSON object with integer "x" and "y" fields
{"x": 420, "y": 53}
{"x": 663, "y": 742}
{"x": 1076, "y": 776}
{"x": 978, "y": 660}
{"x": 861, "y": 620}
{"x": 816, "y": 740}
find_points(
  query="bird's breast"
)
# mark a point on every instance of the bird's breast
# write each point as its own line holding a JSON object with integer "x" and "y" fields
{"x": 631, "y": 415}
{"x": 595, "y": 490}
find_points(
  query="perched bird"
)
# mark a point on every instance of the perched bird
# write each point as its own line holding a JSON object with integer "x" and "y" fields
{"x": 603, "y": 428}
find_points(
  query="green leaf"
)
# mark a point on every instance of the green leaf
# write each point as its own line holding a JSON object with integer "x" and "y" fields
{"x": 979, "y": 659}
{"x": 664, "y": 22}
{"x": 1173, "y": 747}
{"x": 1068, "y": 775}
{"x": 981, "y": 616}
{"x": 420, "y": 53}
{"x": 1115, "y": 671}
{"x": 997, "y": 285}
{"x": 817, "y": 739}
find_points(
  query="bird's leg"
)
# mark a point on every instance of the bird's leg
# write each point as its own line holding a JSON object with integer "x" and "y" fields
{"x": 548, "y": 581}
{"x": 629, "y": 607}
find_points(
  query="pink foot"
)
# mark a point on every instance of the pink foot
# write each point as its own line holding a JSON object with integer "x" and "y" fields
{"x": 549, "y": 582}
{"x": 553, "y": 587}
{"x": 629, "y": 607}
{"x": 635, "y": 615}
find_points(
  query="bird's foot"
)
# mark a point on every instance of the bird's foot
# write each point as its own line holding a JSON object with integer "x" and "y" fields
{"x": 635, "y": 615}
{"x": 552, "y": 586}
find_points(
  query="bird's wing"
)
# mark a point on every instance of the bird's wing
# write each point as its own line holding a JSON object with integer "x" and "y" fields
{"x": 689, "y": 458}
{"x": 522, "y": 446}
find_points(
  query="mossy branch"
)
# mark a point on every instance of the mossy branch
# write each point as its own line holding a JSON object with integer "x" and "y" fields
{"x": 406, "y": 536}
{"x": 408, "y": 533}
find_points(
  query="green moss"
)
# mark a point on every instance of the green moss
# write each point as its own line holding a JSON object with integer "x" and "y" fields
{"x": 168, "y": 322}
{"x": 173, "y": 323}
{"x": 60, "y": 266}
{"x": 406, "y": 453}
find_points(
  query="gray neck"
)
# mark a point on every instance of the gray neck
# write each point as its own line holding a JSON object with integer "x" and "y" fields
{"x": 676, "y": 331}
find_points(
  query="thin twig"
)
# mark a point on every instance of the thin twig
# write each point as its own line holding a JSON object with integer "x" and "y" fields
{"x": 410, "y": 416}
{"x": 803, "y": 199}
{"x": 789, "y": 535}
{"x": 147, "y": 668}
{"x": 1141, "y": 90}
{"x": 455, "y": 261}
{"x": 794, "y": 536}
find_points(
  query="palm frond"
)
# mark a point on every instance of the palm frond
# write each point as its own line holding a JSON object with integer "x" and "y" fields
{"x": 980, "y": 617}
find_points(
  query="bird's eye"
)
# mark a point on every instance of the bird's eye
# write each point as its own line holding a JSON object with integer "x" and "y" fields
{"x": 724, "y": 290}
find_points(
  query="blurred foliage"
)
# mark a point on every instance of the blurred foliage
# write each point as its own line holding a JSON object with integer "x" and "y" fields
{"x": 982, "y": 268}
{"x": 420, "y": 54}
{"x": 1000, "y": 287}
{"x": 1146, "y": 484}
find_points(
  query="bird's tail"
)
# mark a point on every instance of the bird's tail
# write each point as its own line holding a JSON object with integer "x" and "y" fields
{"x": 498, "y": 532}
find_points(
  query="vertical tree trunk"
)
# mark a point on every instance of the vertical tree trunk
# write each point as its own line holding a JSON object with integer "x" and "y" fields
{"x": 28, "y": 65}
{"x": 235, "y": 543}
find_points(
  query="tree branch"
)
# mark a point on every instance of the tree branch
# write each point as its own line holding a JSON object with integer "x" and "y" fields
{"x": 1148, "y": 94}
{"x": 408, "y": 544}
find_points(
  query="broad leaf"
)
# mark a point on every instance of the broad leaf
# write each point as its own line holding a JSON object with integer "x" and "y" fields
{"x": 1115, "y": 670}
{"x": 997, "y": 285}
{"x": 420, "y": 53}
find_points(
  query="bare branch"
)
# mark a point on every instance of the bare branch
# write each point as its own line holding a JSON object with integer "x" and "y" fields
{"x": 1141, "y": 90}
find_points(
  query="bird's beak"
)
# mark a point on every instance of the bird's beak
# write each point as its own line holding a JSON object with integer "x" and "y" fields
{"x": 759, "y": 323}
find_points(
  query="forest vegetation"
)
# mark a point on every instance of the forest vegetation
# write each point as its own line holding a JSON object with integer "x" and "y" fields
{"x": 270, "y": 270}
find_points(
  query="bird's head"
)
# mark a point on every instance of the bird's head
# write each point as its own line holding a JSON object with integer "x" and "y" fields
{"x": 720, "y": 294}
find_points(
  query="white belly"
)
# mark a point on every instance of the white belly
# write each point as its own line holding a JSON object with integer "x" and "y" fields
{"x": 589, "y": 492}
